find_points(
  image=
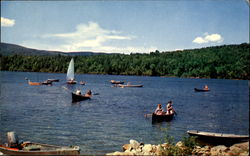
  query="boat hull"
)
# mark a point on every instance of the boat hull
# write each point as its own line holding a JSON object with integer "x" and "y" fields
{"x": 71, "y": 82}
{"x": 76, "y": 98}
{"x": 218, "y": 138}
{"x": 161, "y": 118}
{"x": 123, "y": 86}
{"x": 53, "y": 80}
{"x": 116, "y": 82}
{"x": 43, "y": 149}
{"x": 35, "y": 83}
{"x": 200, "y": 90}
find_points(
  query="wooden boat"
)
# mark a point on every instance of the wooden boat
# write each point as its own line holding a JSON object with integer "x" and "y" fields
{"x": 116, "y": 82}
{"x": 29, "y": 148}
{"x": 218, "y": 138}
{"x": 129, "y": 85}
{"x": 71, "y": 73}
{"x": 47, "y": 82}
{"x": 34, "y": 83}
{"x": 53, "y": 80}
{"x": 161, "y": 118}
{"x": 201, "y": 90}
{"x": 14, "y": 147}
{"x": 76, "y": 98}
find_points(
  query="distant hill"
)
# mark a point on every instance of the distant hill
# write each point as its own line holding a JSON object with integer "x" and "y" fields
{"x": 7, "y": 49}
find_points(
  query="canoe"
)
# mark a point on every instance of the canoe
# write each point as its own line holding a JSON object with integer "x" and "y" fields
{"x": 30, "y": 148}
{"x": 200, "y": 90}
{"x": 218, "y": 138}
{"x": 34, "y": 83}
{"x": 76, "y": 98}
{"x": 161, "y": 118}
{"x": 116, "y": 82}
{"x": 47, "y": 82}
{"x": 53, "y": 80}
{"x": 128, "y": 85}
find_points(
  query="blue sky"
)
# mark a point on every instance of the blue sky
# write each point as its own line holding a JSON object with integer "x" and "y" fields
{"x": 124, "y": 26}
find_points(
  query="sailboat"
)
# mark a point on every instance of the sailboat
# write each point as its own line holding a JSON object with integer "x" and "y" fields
{"x": 70, "y": 73}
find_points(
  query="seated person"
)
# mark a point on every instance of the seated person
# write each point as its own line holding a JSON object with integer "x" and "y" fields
{"x": 88, "y": 93}
{"x": 159, "y": 110}
{"x": 170, "y": 109}
{"x": 78, "y": 92}
{"x": 206, "y": 87}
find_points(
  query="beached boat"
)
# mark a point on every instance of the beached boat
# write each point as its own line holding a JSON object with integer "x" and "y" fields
{"x": 53, "y": 80}
{"x": 218, "y": 138}
{"x": 76, "y": 98}
{"x": 161, "y": 118}
{"x": 34, "y": 83}
{"x": 201, "y": 90}
{"x": 30, "y": 148}
{"x": 14, "y": 147}
{"x": 71, "y": 73}
{"x": 116, "y": 82}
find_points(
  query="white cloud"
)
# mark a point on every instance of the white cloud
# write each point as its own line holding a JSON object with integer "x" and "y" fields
{"x": 88, "y": 36}
{"x": 208, "y": 38}
{"x": 5, "y": 22}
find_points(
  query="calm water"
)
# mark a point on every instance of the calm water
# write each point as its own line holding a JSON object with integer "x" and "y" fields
{"x": 103, "y": 124}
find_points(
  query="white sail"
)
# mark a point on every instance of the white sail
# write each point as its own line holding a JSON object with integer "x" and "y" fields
{"x": 70, "y": 72}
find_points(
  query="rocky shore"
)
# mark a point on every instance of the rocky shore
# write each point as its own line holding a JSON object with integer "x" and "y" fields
{"x": 136, "y": 148}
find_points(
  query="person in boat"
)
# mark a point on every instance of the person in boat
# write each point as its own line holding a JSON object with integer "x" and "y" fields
{"x": 169, "y": 108}
{"x": 88, "y": 93}
{"x": 206, "y": 87}
{"x": 159, "y": 110}
{"x": 78, "y": 92}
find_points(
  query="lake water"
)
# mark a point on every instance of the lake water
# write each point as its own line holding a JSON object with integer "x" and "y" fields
{"x": 103, "y": 124}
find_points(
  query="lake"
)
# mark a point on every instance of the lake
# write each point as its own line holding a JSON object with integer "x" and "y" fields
{"x": 110, "y": 119}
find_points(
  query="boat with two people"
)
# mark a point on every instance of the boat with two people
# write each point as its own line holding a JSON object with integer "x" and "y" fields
{"x": 129, "y": 85}
{"x": 205, "y": 89}
{"x": 218, "y": 138}
{"x": 160, "y": 115}
{"x": 71, "y": 73}
{"x": 77, "y": 96}
{"x": 16, "y": 147}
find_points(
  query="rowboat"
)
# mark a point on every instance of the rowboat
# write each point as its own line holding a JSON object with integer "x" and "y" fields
{"x": 161, "y": 118}
{"x": 200, "y": 90}
{"x": 53, "y": 80}
{"x": 15, "y": 147}
{"x": 30, "y": 148}
{"x": 76, "y": 98}
{"x": 218, "y": 138}
{"x": 129, "y": 85}
{"x": 116, "y": 82}
{"x": 47, "y": 82}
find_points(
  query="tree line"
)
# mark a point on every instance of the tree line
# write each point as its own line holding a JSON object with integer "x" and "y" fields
{"x": 227, "y": 62}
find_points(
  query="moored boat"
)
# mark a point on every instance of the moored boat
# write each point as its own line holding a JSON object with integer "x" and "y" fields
{"x": 218, "y": 138}
{"x": 14, "y": 147}
{"x": 201, "y": 90}
{"x": 76, "y": 98}
{"x": 116, "y": 82}
{"x": 161, "y": 118}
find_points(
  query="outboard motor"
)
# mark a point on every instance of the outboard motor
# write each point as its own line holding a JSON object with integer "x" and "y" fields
{"x": 12, "y": 139}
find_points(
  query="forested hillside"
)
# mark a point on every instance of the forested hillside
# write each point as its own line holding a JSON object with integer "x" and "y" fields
{"x": 227, "y": 61}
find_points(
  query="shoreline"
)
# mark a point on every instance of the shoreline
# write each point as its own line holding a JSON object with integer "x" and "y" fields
{"x": 136, "y": 148}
